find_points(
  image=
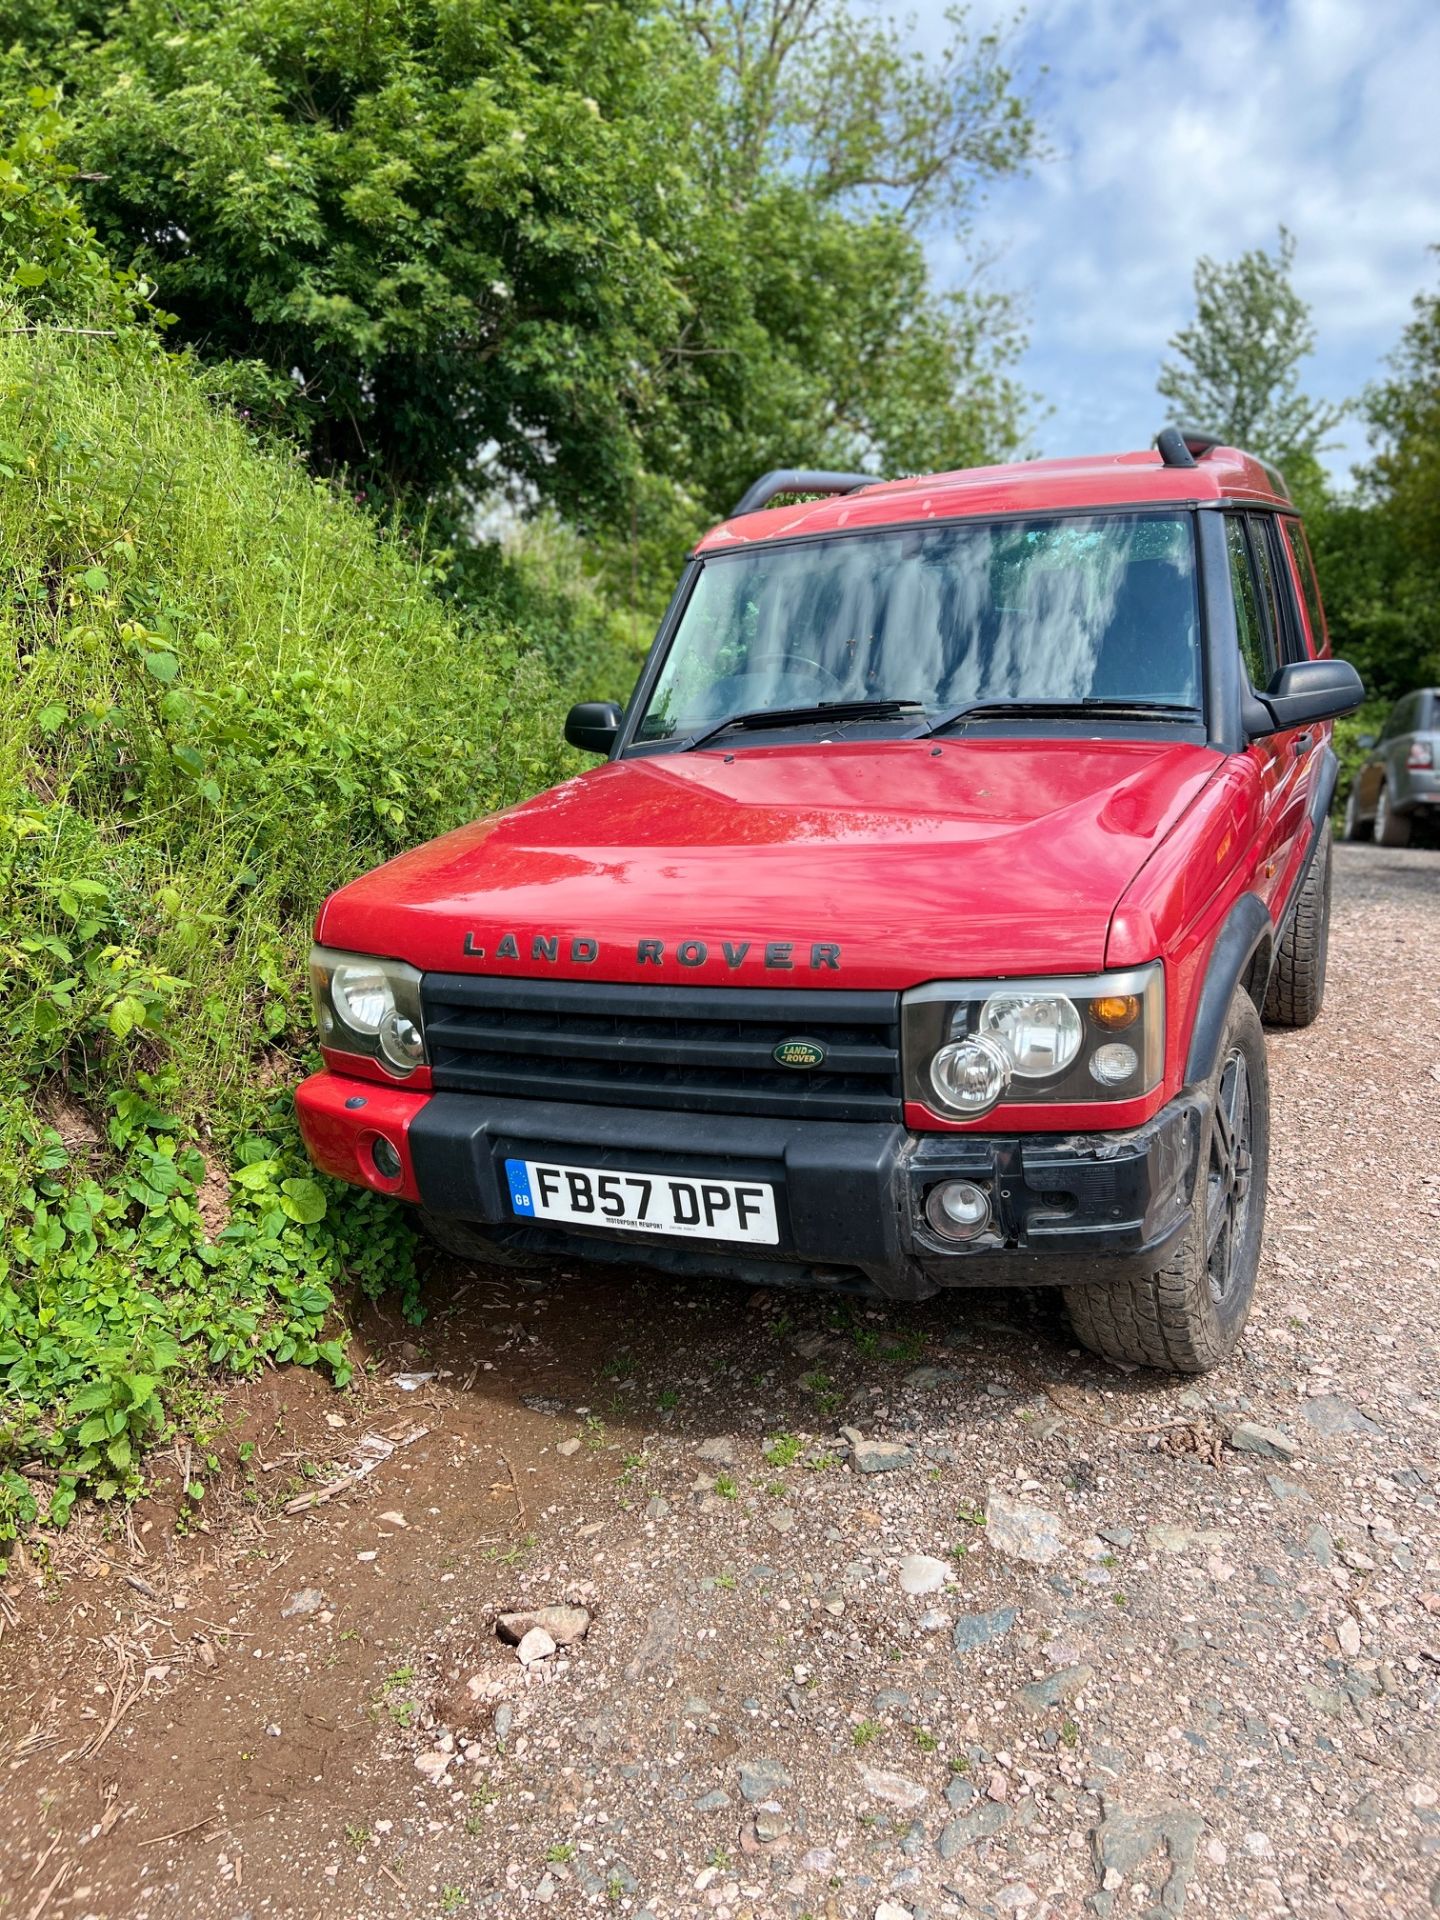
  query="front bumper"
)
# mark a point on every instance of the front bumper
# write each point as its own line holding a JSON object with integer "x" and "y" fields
{"x": 850, "y": 1198}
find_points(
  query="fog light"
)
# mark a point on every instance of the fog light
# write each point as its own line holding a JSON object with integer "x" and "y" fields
{"x": 958, "y": 1209}
{"x": 1112, "y": 1064}
{"x": 387, "y": 1160}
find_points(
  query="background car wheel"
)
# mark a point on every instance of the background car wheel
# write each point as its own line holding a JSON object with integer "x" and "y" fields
{"x": 1391, "y": 829}
{"x": 1297, "y": 981}
{"x": 472, "y": 1243}
{"x": 1355, "y": 827}
{"x": 1189, "y": 1315}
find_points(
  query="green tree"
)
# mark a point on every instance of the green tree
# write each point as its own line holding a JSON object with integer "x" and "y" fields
{"x": 1237, "y": 368}
{"x": 596, "y": 253}
{"x": 843, "y": 102}
{"x": 1403, "y": 411}
{"x": 450, "y": 232}
{"x": 816, "y": 335}
{"x": 1379, "y": 553}
{"x": 52, "y": 267}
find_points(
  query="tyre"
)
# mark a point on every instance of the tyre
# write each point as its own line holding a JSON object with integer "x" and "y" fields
{"x": 1189, "y": 1315}
{"x": 1391, "y": 829}
{"x": 1355, "y": 827}
{"x": 1297, "y": 979}
{"x": 469, "y": 1242}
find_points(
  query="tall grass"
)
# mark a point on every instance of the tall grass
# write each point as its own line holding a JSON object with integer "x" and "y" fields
{"x": 222, "y": 692}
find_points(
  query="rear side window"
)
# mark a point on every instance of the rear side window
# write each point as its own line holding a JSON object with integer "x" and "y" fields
{"x": 1309, "y": 586}
{"x": 1276, "y": 601}
{"x": 1249, "y": 622}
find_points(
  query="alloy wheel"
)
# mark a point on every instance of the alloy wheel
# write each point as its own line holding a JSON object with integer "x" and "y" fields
{"x": 1227, "y": 1186}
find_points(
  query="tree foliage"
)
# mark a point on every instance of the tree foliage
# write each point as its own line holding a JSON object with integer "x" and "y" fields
{"x": 841, "y": 102}
{"x": 1379, "y": 553}
{"x": 52, "y": 267}
{"x": 609, "y": 257}
{"x": 1237, "y": 368}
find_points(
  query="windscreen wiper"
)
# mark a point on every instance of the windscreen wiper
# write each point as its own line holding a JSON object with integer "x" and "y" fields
{"x": 1062, "y": 709}
{"x": 796, "y": 716}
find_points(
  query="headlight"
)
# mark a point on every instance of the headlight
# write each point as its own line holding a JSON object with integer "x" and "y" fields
{"x": 360, "y": 994}
{"x": 968, "y": 1045}
{"x": 1041, "y": 1032}
{"x": 369, "y": 1007}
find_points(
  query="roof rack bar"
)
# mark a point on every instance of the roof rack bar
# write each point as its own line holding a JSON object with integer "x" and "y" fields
{"x": 797, "y": 480}
{"x": 1187, "y": 446}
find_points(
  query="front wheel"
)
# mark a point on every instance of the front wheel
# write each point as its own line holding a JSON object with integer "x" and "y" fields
{"x": 1189, "y": 1316}
{"x": 477, "y": 1246}
{"x": 1391, "y": 829}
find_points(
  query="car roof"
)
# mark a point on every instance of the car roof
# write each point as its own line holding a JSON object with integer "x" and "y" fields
{"x": 1105, "y": 481}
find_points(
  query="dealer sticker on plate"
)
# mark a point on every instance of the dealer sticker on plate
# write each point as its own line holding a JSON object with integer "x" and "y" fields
{"x": 644, "y": 1202}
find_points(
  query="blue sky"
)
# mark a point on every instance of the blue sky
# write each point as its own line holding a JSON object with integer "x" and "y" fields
{"x": 1182, "y": 127}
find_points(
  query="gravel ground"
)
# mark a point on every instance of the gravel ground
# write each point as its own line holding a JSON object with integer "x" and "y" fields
{"x": 1033, "y": 1637}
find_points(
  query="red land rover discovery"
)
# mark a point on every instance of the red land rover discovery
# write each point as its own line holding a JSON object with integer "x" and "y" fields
{"x": 917, "y": 929}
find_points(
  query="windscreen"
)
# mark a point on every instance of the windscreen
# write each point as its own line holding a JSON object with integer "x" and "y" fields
{"x": 1098, "y": 607}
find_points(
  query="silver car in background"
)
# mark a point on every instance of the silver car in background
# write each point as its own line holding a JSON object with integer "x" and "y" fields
{"x": 1399, "y": 781}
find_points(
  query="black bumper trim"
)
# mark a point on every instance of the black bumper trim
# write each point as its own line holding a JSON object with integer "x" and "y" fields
{"x": 1068, "y": 1208}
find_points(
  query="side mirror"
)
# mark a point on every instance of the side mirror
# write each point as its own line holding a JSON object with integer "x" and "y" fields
{"x": 1365, "y": 741}
{"x": 593, "y": 725}
{"x": 1309, "y": 690}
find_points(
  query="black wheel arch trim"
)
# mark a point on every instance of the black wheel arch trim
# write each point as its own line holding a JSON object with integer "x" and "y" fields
{"x": 1247, "y": 927}
{"x": 1327, "y": 777}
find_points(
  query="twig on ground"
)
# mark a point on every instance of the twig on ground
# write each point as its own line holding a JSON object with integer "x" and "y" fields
{"x": 31, "y": 1743}
{"x": 39, "y": 1866}
{"x": 372, "y": 1449}
{"x": 120, "y": 1701}
{"x": 44, "y": 1900}
{"x": 519, "y": 1502}
{"x": 178, "y": 1833}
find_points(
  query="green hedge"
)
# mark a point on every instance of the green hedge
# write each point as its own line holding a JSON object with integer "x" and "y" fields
{"x": 224, "y": 692}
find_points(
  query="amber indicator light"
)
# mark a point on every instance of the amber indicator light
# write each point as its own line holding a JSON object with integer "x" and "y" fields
{"x": 1115, "y": 1010}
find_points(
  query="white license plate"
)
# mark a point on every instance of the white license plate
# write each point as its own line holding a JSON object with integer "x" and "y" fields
{"x": 644, "y": 1202}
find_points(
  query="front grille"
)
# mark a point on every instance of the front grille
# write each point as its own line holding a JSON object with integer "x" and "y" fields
{"x": 690, "y": 1049}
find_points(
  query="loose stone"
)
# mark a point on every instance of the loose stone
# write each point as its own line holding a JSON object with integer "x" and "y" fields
{"x": 1021, "y": 1531}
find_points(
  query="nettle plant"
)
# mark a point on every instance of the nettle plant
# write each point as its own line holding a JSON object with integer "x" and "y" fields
{"x": 114, "y": 1289}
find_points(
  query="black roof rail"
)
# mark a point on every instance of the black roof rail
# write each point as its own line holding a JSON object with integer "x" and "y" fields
{"x": 798, "y": 480}
{"x": 1186, "y": 446}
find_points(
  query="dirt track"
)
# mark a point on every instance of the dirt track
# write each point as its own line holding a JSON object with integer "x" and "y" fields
{"x": 1218, "y": 1693}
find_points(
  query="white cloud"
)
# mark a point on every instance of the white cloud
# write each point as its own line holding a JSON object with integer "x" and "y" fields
{"x": 1182, "y": 129}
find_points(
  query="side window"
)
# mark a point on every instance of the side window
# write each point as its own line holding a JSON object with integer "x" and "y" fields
{"x": 1249, "y": 623}
{"x": 1274, "y": 599}
{"x": 1309, "y": 586}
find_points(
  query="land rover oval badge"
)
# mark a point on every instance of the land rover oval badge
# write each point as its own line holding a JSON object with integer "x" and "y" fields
{"x": 799, "y": 1053}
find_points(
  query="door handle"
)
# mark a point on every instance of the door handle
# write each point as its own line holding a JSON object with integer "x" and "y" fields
{"x": 1303, "y": 742}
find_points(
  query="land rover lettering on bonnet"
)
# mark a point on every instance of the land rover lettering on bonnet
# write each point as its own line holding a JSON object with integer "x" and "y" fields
{"x": 1044, "y": 752}
{"x": 774, "y": 955}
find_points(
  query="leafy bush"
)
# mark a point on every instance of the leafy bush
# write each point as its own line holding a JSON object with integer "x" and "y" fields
{"x": 224, "y": 692}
